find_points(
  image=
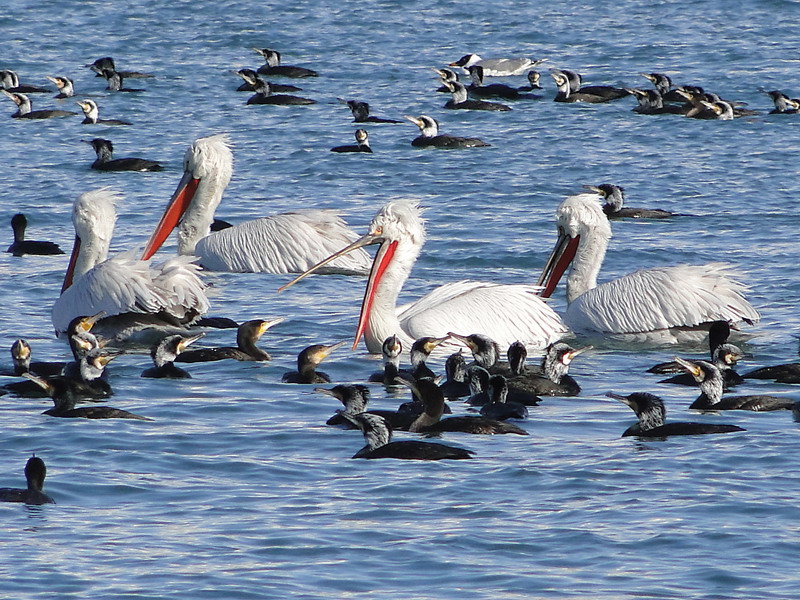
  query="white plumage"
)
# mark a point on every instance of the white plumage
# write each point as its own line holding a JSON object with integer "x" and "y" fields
{"x": 284, "y": 243}
{"x": 657, "y": 304}
{"x": 506, "y": 313}
{"x": 122, "y": 284}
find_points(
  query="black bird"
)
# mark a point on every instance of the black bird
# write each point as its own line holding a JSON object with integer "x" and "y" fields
{"x": 107, "y": 62}
{"x": 711, "y": 383}
{"x": 478, "y": 381}
{"x": 25, "y": 108}
{"x": 783, "y": 104}
{"x": 35, "y": 472}
{"x": 614, "y": 196}
{"x": 446, "y": 75}
{"x": 164, "y": 354}
{"x": 568, "y": 92}
{"x": 9, "y": 81}
{"x": 479, "y": 89}
{"x": 430, "y": 136}
{"x": 83, "y": 378}
{"x": 455, "y": 369}
{"x": 499, "y": 407}
{"x": 273, "y": 66}
{"x": 420, "y": 352}
{"x": 391, "y": 349}
{"x": 461, "y": 100}
{"x": 64, "y": 399}
{"x": 485, "y": 351}
{"x": 533, "y": 84}
{"x": 65, "y": 85}
{"x": 355, "y": 398}
{"x": 307, "y": 362}
{"x": 105, "y": 160}
{"x": 251, "y": 80}
{"x": 247, "y": 334}
{"x": 263, "y": 95}
{"x": 378, "y": 435}
{"x": 724, "y": 357}
{"x": 361, "y": 145}
{"x": 114, "y": 80}
{"x": 663, "y": 84}
{"x": 21, "y": 246}
{"x": 430, "y": 421}
{"x": 91, "y": 114}
{"x": 651, "y": 413}
{"x": 21, "y": 362}
{"x": 361, "y": 114}
{"x": 785, "y": 373}
{"x": 650, "y": 102}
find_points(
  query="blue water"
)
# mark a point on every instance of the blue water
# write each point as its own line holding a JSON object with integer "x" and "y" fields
{"x": 237, "y": 489}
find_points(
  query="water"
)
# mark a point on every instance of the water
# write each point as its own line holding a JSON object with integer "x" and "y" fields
{"x": 237, "y": 489}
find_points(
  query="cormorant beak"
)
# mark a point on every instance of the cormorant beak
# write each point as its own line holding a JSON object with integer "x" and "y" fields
{"x": 42, "y": 383}
{"x": 189, "y": 340}
{"x": 593, "y": 188}
{"x": 433, "y": 342}
{"x": 414, "y": 120}
{"x": 21, "y": 351}
{"x": 325, "y": 351}
{"x": 88, "y": 322}
{"x": 464, "y": 339}
{"x": 624, "y": 399}
{"x": 570, "y": 356}
{"x": 693, "y": 369}
{"x": 267, "y": 324}
{"x": 177, "y": 206}
{"x": 562, "y": 255}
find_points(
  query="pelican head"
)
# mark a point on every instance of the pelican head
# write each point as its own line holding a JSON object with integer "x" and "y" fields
{"x": 399, "y": 229}
{"x": 208, "y": 166}
{"x": 583, "y": 234}
{"x": 94, "y": 215}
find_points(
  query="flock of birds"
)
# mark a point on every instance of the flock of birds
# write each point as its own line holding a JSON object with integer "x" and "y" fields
{"x": 127, "y": 300}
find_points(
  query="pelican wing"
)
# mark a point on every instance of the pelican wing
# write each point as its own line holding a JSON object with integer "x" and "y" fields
{"x": 123, "y": 284}
{"x": 661, "y": 298}
{"x": 506, "y": 313}
{"x": 284, "y": 243}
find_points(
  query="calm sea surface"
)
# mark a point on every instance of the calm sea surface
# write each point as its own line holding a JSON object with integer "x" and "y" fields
{"x": 237, "y": 489}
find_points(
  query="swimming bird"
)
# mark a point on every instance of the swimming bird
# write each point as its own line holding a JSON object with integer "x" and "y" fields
{"x": 455, "y": 370}
{"x": 430, "y": 136}
{"x": 106, "y": 162}
{"x": 91, "y": 114}
{"x": 496, "y": 67}
{"x": 263, "y": 95}
{"x": 783, "y": 104}
{"x": 614, "y": 196}
{"x": 567, "y": 92}
{"x": 35, "y": 472}
{"x": 137, "y": 297}
{"x": 711, "y": 397}
{"x": 21, "y": 246}
{"x": 361, "y": 145}
{"x": 107, "y": 62}
{"x": 391, "y": 349}
{"x": 650, "y": 102}
{"x": 21, "y": 362}
{"x": 283, "y": 243}
{"x": 663, "y": 85}
{"x": 430, "y": 421}
{"x": 115, "y": 84}
{"x": 25, "y": 108}
{"x": 662, "y": 304}
{"x": 64, "y": 400}
{"x": 718, "y": 334}
{"x": 273, "y": 65}
{"x": 499, "y": 407}
{"x": 651, "y": 413}
{"x": 84, "y": 378}
{"x": 506, "y": 312}
{"x": 785, "y": 373}
{"x": 478, "y": 381}
{"x": 247, "y": 334}
{"x": 446, "y": 75}
{"x": 9, "y": 81}
{"x": 724, "y": 357}
{"x": 492, "y": 90}
{"x": 378, "y": 435}
{"x": 355, "y": 398}
{"x": 461, "y": 101}
{"x": 533, "y": 84}
{"x": 164, "y": 354}
{"x": 307, "y": 362}
{"x": 420, "y": 351}
{"x": 65, "y": 85}
{"x": 361, "y": 114}
{"x": 251, "y": 80}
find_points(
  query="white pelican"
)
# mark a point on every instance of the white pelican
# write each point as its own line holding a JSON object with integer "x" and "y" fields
{"x": 283, "y": 243}
{"x": 507, "y": 313}
{"x": 662, "y": 304}
{"x": 132, "y": 293}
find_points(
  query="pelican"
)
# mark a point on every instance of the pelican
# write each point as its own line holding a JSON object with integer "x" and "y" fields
{"x": 506, "y": 312}
{"x": 283, "y": 243}
{"x": 157, "y": 295}
{"x": 663, "y": 304}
